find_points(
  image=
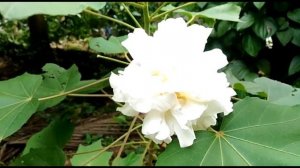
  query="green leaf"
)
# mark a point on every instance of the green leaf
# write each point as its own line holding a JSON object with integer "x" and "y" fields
{"x": 228, "y": 11}
{"x": 256, "y": 133}
{"x": 132, "y": 159}
{"x": 57, "y": 81}
{"x": 91, "y": 155}
{"x": 295, "y": 65}
{"x": 258, "y": 5}
{"x": 285, "y": 36}
{"x": 221, "y": 28}
{"x": 282, "y": 23}
{"x": 294, "y": 15}
{"x": 111, "y": 46}
{"x": 290, "y": 100}
{"x": 17, "y": 102}
{"x": 252, "y": 44}
{"x": 240, "y": 70}
{"x": 296, "y": 37}
{"x": 265, "y": 27}
{"x": 42, "y": 157}
{"x": 22, "y": 10}
{"x": 56, "y": 134}
{"x": 246, "y": 21}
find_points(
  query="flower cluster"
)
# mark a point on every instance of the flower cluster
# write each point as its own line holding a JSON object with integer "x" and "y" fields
{"x": 173, "y": 82}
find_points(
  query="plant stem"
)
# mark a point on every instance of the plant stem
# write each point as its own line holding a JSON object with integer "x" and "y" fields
{"x": 127, "y": 136}
{"x": 146, "y": 18}
{"x": 167, "y": 12}
{"x": 112, "y": 59}
{"x": 109, "y": 18}
{"x": 158, "y": 9}
{"x": 131, "y": 15}
{"x": 110, "y": 145}
{"x": 74, "y": 90}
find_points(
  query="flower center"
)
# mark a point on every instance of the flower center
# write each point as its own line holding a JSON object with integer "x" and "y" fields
{"x": 182, "y": 98}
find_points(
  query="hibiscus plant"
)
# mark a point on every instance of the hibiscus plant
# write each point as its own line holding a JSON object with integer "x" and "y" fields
{"x": 183, "y": 99}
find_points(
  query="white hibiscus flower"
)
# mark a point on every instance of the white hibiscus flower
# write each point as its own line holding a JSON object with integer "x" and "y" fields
{"x": 173, "y": 82}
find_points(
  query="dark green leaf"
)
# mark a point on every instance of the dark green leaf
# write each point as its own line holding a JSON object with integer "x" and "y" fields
{"x": 111, "y": 46}
{"x": 267, "y": 137}
{"x": 222, "y": 28}
{"x": 132, "y": 159}
{"x": 295, "y": 65}
{"x": 258, "y": 5}
{"x": 15, "y": 10}
{"x": 285, "y": 36}
{"x": 91, "y": 155}
{"x": 17, "y": 102}
{"x": 240, "y": 70}
{"x": 42, "y": 157}
{"x": 296, "y": 37}
{"x": 294, "y": 15}
{"x": 246, "y": 21}
{"x": 282, "y": 23}
{"x": 264, "y": 28}
{"x": 264, "y": 66}
{"x": 252, "y": 44}
{"x": 56, "y": 134}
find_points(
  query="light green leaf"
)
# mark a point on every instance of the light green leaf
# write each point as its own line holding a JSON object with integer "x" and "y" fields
{"x": 256, "y": 133}
{"x": 111, "y": 46}
{"x": 57, "y": 81}
{"x": 91, "y": 155}
{"x": 48, "y": 156}
{"x": 246, "y": 21}
{"x": 258, "y": 5}
{"x": 294, "y": 65}
{"x": 285, "y": 36}
{"x": 252, "y": 44}
{"x": 17, "y": 102}
{"x": 294, "y": 15}
{"x": 265, "y": 27}
{"x": 22, "y": 10}
{"x": 228, "y": 11}
{"x": 132, "y": 159}
{"x": 290, "y": 100}
{"x": 56, "y": 134}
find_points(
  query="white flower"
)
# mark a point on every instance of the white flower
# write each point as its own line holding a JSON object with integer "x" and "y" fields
{"x": 173, "y": 82}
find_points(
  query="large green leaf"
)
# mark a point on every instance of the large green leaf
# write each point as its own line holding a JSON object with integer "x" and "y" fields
{"x": 111, "y": 46}
{"x": 48, "y": 156}
{"x": 17, "y": 102}
{"x": 295, "y": 65}
{"x": 132, "y": 159}
{"x": 296, "y": 37}
{"x": 90, "y": 155}
{"x": 256, "y": 133}
{"x": 56, "y": 134}
{"x": 228, "y": 11}
{"x": 58, "y": 81}
{"x": 294, "y": 15}
{"x": 21, "y": 10}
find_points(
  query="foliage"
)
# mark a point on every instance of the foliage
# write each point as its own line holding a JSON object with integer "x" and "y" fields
{"x": 262, "y": 130}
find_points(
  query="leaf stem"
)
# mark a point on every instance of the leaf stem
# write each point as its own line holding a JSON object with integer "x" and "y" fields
{"x": 127, "y": 136}
{"x": 131, "y": 15}
{"x": 110, "y": 145}
{"x": 112, "y": 59}
{"x": 89, "y": 95}
{"x": 74, "y": 90}
{"x": 135, "y": 4}
{"x": 158, "y": 9}
{"x": 167, "y": 12}
{"x": 109, "y": 18}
